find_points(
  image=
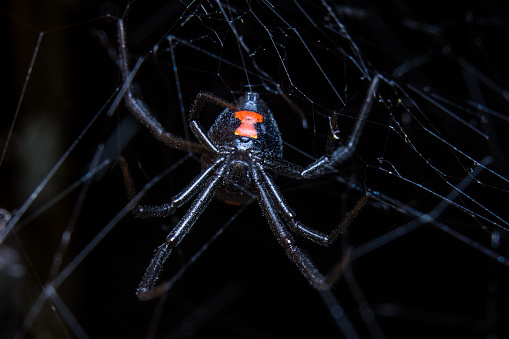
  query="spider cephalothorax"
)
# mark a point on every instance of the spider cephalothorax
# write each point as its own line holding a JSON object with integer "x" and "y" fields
{"x": 241, "y": 154}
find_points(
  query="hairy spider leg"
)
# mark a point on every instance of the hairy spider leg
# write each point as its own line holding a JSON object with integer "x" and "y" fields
{"x": 201, "y": 99}
{"x": 344, "y": 152}
{"x": 147, "y": 285}
{"x": 296, "y": 226}
{"x": 142, "y": 113}
{"x": 272, "y": 197}
{"x": 332, "y": 156}
{"x": 271, "y": 201}
{"x": 285, "y": 239}
{"x": 167, "y": 209}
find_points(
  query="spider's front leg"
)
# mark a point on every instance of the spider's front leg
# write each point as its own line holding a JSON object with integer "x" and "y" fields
{"x": 199, "y": 103}
{"x": 336, "y": 156}
{"x": 332, "y": 156}
{"x": 141, "y": 111}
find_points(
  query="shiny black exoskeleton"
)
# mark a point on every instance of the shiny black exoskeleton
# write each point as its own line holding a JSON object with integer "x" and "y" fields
{"x": 231, "y": 133}
{"x": 241, "y": 153}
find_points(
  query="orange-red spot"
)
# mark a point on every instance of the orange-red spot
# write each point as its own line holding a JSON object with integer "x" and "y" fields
{"x": 248, "y": 120}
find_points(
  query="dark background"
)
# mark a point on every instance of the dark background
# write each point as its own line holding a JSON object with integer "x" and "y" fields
{"x": 446, "y": 73}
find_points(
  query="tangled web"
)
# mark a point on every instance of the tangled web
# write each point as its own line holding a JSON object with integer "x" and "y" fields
{"x": 426, "y": 257}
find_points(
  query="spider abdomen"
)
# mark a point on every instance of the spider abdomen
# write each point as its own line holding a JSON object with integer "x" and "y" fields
{"x": 251, "y": 126}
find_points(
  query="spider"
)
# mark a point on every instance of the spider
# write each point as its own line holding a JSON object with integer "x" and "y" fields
{"x": 241, "y": 153}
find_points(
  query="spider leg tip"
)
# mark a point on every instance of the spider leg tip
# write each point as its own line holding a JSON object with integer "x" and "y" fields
{"x": 141, "y": 293}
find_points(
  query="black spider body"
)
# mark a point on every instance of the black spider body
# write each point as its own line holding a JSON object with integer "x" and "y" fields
{"x": 268, "y": 137}
{"x": 232, "y": 138}
{"x": 241, "y": 153}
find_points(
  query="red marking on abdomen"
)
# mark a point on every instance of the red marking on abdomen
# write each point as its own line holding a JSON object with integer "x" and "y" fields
{"x": 248, "y": 120}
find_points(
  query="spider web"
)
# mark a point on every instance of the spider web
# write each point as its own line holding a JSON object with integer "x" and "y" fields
{"x": 428, "y": 255}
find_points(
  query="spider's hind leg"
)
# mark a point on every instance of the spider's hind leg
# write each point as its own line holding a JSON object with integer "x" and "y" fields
{"x": 285, "y": 239}
{"x": 296, "y": 226}
{"x": 274, "y": 206}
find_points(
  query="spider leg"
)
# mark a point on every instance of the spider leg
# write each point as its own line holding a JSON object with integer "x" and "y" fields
{"x": 332, "y": 156}
{"x": 296, "y": 226}
{"x": 285, "y": 239}
{"x": 142, "y": 113}
{"x": 342, "y": 153}
{"x": 147, "y": 288}
{"x": 199, "y": 103}
{"x": 164, "y": 210}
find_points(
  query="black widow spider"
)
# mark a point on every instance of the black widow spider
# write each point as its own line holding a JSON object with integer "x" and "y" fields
{"x": 240, "y": 149}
